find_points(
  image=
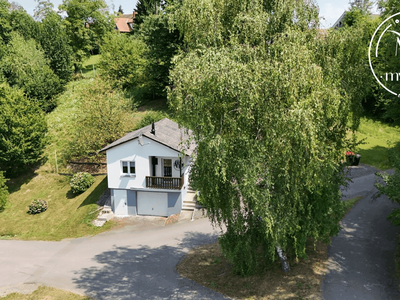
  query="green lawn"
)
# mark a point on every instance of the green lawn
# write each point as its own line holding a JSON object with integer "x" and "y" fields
{"x": 379, "y": 138}
{"x": 89, "y": 67}
{"x": 67, "y": 216}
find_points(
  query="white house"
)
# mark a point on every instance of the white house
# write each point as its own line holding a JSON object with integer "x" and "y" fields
{"x": 147, "y": 170}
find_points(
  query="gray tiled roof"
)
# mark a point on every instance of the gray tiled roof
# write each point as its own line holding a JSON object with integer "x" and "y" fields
{"x": 167, "y": 132}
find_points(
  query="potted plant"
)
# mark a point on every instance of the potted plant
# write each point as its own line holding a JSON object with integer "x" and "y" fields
{"x": 349, "y": 157}
{"x": 352, "y": 159}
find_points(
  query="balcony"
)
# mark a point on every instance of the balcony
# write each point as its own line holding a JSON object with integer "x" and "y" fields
{"x": 165, "y": 183}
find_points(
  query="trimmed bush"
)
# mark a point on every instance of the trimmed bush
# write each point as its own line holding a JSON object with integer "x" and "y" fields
{"x": 80, "y": 182}
{"x": 37, "y": 206}
{"x": 3, "y": 192}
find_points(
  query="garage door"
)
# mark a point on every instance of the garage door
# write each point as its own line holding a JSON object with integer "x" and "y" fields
{"x": 152, "y": 204}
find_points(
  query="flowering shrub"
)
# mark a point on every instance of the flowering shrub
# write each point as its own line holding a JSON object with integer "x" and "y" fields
{"x": 37, "y": 206}
{"x": 80, "y": 182}
{"x": 350, "y": 157}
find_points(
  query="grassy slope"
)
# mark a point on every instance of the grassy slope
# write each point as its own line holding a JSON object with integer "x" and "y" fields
{"x": 379, "y": 137}
{"x": 67, "y": 216}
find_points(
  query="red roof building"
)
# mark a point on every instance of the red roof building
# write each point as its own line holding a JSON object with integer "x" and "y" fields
{"x": 124, "y": 23}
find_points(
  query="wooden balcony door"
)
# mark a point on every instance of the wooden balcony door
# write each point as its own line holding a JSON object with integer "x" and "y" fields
{"x": 167, "y": 163}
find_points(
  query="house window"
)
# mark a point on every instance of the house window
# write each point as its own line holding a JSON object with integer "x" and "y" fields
{"x": 128, "y": 168}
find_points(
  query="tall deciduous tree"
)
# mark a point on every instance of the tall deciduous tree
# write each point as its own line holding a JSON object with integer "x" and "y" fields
{"x": 43, "y": 8}
{"x": 23, "y": 23}
{"x": 101, "y": 119}
{"x": 24, "y": 65}
{"x": 5, "y": 27}
{"x": 86, "y": 24}
{"x": 270, "y": 120}
{"x": 123, "y": 60}
{"x": 54, "y": 41}
{"x": 23, "y": 131}
{"x": 163, "y": 45}
{"x": 380, "y": 103}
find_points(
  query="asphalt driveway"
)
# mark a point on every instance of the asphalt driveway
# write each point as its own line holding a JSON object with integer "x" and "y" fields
{"x": 362, "y": 256}
{"x": 122, "y": 264}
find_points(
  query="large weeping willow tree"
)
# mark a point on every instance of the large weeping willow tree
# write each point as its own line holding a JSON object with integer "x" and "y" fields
{"x": 269, "y": 104}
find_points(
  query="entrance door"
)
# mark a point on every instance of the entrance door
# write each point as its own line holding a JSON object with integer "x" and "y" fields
{"x": 120, "y": 201}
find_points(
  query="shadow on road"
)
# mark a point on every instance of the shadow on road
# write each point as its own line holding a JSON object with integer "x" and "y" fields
{"x": 144, "y": 273}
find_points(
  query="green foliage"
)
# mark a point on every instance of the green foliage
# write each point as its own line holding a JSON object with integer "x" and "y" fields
{"x": 54, "y": 41}
{"x": 22, "y": 130}
{"x": 270, "y": 116}
{"x": 123, "y": 60}
{"x": 380, "y": 103}
{"x": 23, "y": 23}
{"x": 24, "y": 66}
{"x": 215, "y": 23}
{"x": 143, "y": 9}
{"x": 37, "y": 207}
{"x": 87, "y": 23}
{"x": 149, "y": 118}
{"x": 3, "y": 192}
{"x": 80, "y": 182}
{"x": 100, "y": 121}
{"x": 341, "y": 55}
{"x": 5, "y": 27}
{"x": 364, "y": 6}
{"x": 43, "y": 8}
{"x": 163, "y": 44}
{"x": 389, "y": 7}
{"x": 378, "y": 139}
{"x": 391, "y": 187}
{"x": 355, "y": 16}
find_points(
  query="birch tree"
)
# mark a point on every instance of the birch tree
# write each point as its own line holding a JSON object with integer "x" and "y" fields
{"x": 270, "y": 121}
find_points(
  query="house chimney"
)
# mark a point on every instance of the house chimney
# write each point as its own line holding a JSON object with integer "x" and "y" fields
{"x": 153, "y": 129}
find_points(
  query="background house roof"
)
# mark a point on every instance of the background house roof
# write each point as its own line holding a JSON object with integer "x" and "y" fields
{"x": 123, "y": 24}
{"x": 167, "y": 132}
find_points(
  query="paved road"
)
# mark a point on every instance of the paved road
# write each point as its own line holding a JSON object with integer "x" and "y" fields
{"x": 131, "y": 264}
{"x": 123, "y": 264}
{"x": 362, "y": 255}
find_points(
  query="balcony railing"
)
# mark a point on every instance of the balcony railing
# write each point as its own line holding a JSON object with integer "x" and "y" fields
{"x": 168, "y": 183}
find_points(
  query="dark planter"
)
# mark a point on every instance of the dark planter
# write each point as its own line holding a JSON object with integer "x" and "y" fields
{"x": 356, "y": 160}
{"x": 350, "y": 159}
{"x": 353, "y": 160}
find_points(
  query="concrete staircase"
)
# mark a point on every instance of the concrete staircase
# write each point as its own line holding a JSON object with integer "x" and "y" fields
{"x": 105, "y": 215}
{"x": 190, "y": 203}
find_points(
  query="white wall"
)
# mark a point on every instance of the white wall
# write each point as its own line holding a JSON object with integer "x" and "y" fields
{"x": 130, "y": 151}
